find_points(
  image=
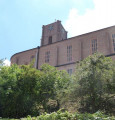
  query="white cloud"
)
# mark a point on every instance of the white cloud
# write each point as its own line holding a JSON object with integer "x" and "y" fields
{"x": 100, "y": 17}
{"x": 6, "y": 62}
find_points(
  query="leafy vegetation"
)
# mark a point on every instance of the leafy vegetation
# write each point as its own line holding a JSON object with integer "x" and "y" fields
{"x": 26, "y": 91}
{"x": 64, "y": 115}
{"x": 94, "y": 84}
{"x": 1, "y": 62}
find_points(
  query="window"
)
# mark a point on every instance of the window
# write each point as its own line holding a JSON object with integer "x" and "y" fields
{"x": 17, "y": 60}
{"x": 69, "y": 53}
{"x": 94, "y": 46}
{"x": 69, "y": 71}
{"x": 47, "y": 56}
{"x": 32, "y": 57}
{"x": 113, "y": 37}
{"x": 50, "y": 40}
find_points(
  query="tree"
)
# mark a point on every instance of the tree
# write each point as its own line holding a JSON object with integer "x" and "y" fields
{"x": 112, "y": 85}
{"x": 52, "y": 81}
{"x": 24, "y": 89}
{"x": 91, "y": 82}
{"x": 18, "y": 91}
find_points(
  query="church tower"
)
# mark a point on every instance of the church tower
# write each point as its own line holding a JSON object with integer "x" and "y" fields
{"x": 52, "y": 33}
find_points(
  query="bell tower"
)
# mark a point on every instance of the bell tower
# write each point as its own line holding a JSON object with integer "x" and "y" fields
{"x": 52, "y": 33}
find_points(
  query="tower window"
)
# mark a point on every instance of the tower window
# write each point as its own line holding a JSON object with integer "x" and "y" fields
{"x": 94, "y": 46}
{"x": 47, "y": 57}
{"x": 113, "y": 37}
{"x": 50, "y": 40}
{"x": 69, "y": 53}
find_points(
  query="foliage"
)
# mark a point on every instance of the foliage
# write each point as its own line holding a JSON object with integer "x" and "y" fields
{"x": 59, "y": 115}
{"x": 25, "y": 90}
{"x": 92, "y": 82}
{"x": 1, "y": 62}
{"x": 52, "y": 82}
{"x": 112, "y": 85}
{"x": 17, "y": 92}
{"x": 65, "y": 115}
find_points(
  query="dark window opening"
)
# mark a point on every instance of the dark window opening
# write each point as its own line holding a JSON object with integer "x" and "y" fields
{"x": 50, "y": 40}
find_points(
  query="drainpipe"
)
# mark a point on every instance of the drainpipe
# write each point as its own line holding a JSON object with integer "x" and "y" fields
{"x": 37, "y": 57}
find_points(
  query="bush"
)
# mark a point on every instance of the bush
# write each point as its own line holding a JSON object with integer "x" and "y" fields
{"x": 26, "y": 91}
{"x": 65, "y": 115}
{"x": 60, "y": 115}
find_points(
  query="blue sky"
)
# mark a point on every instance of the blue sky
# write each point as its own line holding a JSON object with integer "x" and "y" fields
{"x": 21, "y": 20}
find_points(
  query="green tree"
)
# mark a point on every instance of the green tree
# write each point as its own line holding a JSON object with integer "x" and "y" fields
{"x": 92, "y": 80}
{"x": 7, "y": 86}
{"x": 112, "y": 85}
{"x": 18, "y": 91}
{"x": 51, "y": 83}
{"x": 25, "y": 90}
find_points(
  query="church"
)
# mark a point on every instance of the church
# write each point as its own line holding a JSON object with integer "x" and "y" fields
{"x": 61, "y": 52}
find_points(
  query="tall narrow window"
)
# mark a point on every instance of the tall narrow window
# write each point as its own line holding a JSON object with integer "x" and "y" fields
{"x": 94, "y": 46}
{"x": 50, "y": 40}
{"x": 47, "y": 57}
{"x": 69, "y": 53}
{"x": 113, "y": 37}
{"x": 17, "y": 60}
{"x": 32, "y": 57}
{"x": 69, "y": 71}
